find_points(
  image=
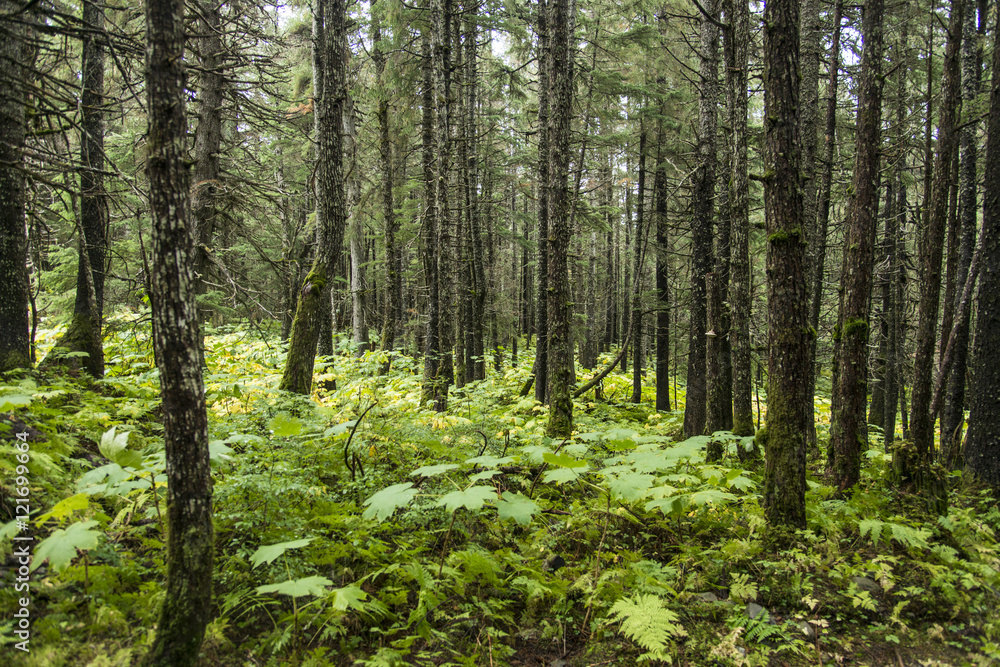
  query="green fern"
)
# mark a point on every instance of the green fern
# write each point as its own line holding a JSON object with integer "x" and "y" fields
{"x": 646, "y": 621}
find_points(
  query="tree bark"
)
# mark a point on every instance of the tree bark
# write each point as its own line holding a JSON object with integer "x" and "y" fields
{"x": 849, "y": 428}
{"x": 428, "y": 228}
{"x": 636, "y": 312}
{"x": 662, "y": 274}
{"x": 541, "y": 301}
{"x": 703, "y": 205}
{"x": 187, "y": 604}
{"x": 982, "y": 447}
{"x": 15, "y": 347}
{"x": 788, "y": 362}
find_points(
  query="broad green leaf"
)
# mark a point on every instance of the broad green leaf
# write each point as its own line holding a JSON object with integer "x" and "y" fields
{"x": 61, "y": 546}
{"x": 489, "y": 460}
{"x": 114, "y": 446}
{"x": 630, "y": 486}
{"x": 349, "y": 597}
{"x": 560, "y": 475}
{"x": 64, "y": 508}
{"x": 471, "y": 498}
{"x": 8, "y": 403}
{"x": 486, "y": 474}
{"x": 707, "y": 496}
{"x": 536, "y": 452}
{"x": 563, "y": 460}
{"x": 742, "y": 483}
{"x": 298, "y": 588}
{"x": 284, "y": 426}
{"x": 517, "y": 507}
{"x": 219, "y": 452}
{"x": 576, "y": 449}
{"x": 388, "y": 500}
{"x": 338, "y": 429}
{"x": 432, "y": 471}
{"x": 669, "y": 506}
{"x": 269, "y": 553}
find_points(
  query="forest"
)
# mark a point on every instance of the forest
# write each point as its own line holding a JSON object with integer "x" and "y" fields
{"x": 557, "y": 333}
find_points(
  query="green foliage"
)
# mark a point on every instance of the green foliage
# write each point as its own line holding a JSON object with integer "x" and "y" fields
{"x": 646, "y": 621}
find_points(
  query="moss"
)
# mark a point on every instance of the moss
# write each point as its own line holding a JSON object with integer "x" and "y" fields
{"x": 786, "y": 236}
{"x": 14, "y": 359}
{"x": 855, "y": 327}
{"x": 83, "y": 335}
{"x": 305, "y": 334}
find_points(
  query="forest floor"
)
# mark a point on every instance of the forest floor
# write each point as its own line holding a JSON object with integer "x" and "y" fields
{"x": 402, "y": 536}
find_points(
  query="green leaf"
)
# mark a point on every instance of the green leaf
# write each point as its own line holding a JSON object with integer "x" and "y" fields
{"x": 560, "y": 475}
{"x": 388, "y": 500}
{"x": 486, "y": 474}
{"x": 630, "y": 486}
{"x": 471, "y": 498}
{"x": 489, "y": 460}
{"x": 64, "y": 508}
{"x": 706, "y": 496}
{"x": 349, "y": 597}
{"x": 114, "y": 447}
{"x": 8, "y": 403}
{"x": 873, "y": 526}
{"x": 284, "y": 426}
{"x": 61, "y": 546}
{"x": 338, "y": 429}
{"x": 432, "y": 471}
{"x": 517, "y": 507}
{"x": 298, "y": 588}
{"x": 563, "y": 460}
{"x": 268, "y": 554}
{"x": 219, "y": 452}
{"x": 669, "y": 506}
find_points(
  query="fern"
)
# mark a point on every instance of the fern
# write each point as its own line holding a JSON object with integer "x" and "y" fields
{"x": 647, "y": 622}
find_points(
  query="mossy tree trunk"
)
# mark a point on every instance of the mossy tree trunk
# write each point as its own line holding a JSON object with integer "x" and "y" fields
{"x": 736, "y": 46}
{"x": 541, "y": 287}
{"x": 15, "y": 349}
{"x": 187, "y": 604}
{"x": 662, "y": 271}
{"x": 561, "y": 375}
{"x": 428, "y": 228}
{"x": 635, "y": 323}
{"x": 849, "y": 428}
{"x": 982, "y": 448}
{"x": 330, "y": 91}
{"x": 788, "y": 362}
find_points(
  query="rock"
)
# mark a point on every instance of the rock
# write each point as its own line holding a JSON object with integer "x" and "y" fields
{"x": 708, "y": 597}
{"x": 866, "y": 584}
{"x": 808, "y": 630}
{"x": 754, "y": 610}
{"x": 558, "y": 662}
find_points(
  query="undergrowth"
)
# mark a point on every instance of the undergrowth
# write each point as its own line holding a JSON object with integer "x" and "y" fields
{"x": 359, "y": 527}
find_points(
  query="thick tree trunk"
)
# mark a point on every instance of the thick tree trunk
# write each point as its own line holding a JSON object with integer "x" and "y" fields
{"x": 739, "y": 214}
{"x": 636, "y": 313}
{"x": 662, "y": 276}
{"x": 542, "y": 299}
{"x": 329, "y": 46}
{"x": 849, "y": 428}
{"x": 703, "y": 206}
{"x": 930, "y": 265}
{"x": 428, "y": 228}
{"x": 788, "y": 304}
{"x": 447, "y": 293}
{"x": 716, "y": 415}
{"x": 187, "y": 604}
{"x": 15, "y": 351}
{"x": 982, "y": 448}
{"x": 358, "y": 245}
{"x": 561, "y": 376}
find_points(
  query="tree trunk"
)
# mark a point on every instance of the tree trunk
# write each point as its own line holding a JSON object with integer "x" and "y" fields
{"x": 432, "y": 346}
{"x": 662, "y": 275}
{"x": 982, "y": 447}
{"x": 187, "y": 604}
{"x": 329, "y": 49}
{"x": 930, "y": 272}
{"x": 849, "y": 428}
{"x": 739, "y": 215}
{"x": 716, "y": 415}
{"x": 447, "y": 293}
{"x": 788, "y": 363}
{"x": 541, "y": 302}
{"x": 15, "y": 347}
{"x": 636, "y": 312}
{"x": 953, "y": 417}
{"x": 561, "y": 378}
{"x": 703, "y": 206}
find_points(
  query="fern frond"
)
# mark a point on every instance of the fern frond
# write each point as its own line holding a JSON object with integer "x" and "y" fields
{"x": 646, "y": 621}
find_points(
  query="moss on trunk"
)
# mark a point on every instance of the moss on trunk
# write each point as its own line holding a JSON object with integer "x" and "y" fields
{"x": 305, "y": 333}
{"x": 83, "y": 335}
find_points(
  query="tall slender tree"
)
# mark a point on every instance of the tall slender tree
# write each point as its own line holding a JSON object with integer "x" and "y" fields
{"x": 187, "y": 604}
{"x": 849, "y": 429}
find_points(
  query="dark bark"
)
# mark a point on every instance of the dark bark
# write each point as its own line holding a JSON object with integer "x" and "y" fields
{"x": 922, "y": 422}
{"x": 329, "y": 50}
{"x": 849, "y": 429}
{"x": 716, "y": 415}
{"x": 561, "y": 375}
{"x": 662, "y": 276}
{"x": 428, "y": 228}
{"x": 636, "y": 311}
{"x": 788, "y": 363}
{"x": 739, "y": 214}
{"x": 447, "y": 293}
{"x": 703, "y": 206}
{"x": 15, "y": 351}
{"x": 982, "y": 447}
{"x": 953, "y": 417}
{"x": 187, "y": 603}
{"x": 818, "y": 245}
{"x": 541, "y": 301}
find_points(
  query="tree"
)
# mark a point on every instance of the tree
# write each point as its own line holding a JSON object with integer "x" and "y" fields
{"x": 187, "y": 605}
{"x": 982, "y": 447}
{"x": 738, "y": 43}
{"x": 788, "y": 355}
{"x": 849, "y": 427}
{"x": 560, "y": 334}
{"x": 541, "y": 302}
{"x": 703, "y": 204}
{"x": 14, "y": 341}
{"x": 330, "y": 92}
